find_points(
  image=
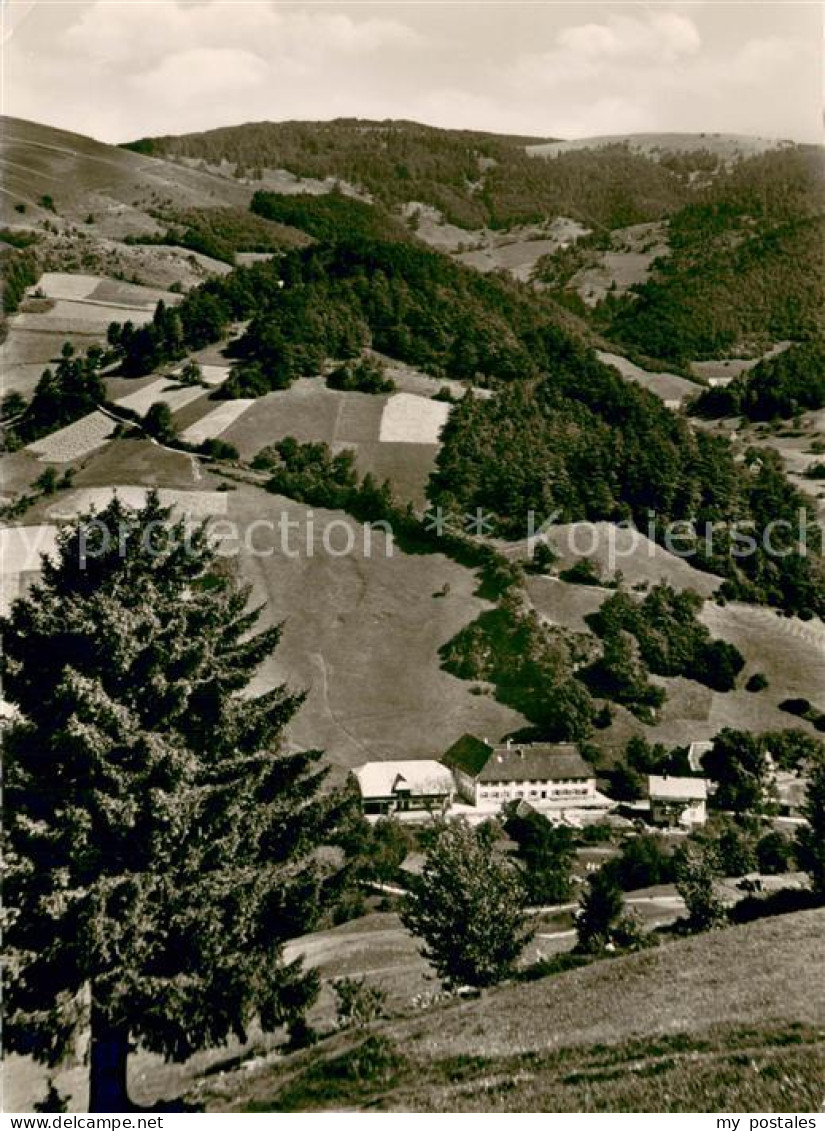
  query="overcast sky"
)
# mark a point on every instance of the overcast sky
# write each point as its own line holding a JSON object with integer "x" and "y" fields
{"x": 120, "y": 69}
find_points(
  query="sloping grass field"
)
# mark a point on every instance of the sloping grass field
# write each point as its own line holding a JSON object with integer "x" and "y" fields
{"x": 733, "y": 1020}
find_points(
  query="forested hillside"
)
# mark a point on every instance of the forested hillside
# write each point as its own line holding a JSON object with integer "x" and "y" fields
{"x": 746, "y": 266}
{"x": 579, "y": 442}
{"x": 564, "y": 434}
{"x": 330, "y": 300}
{"x": 475, "y": 179}
{"x": 781, "y": 386}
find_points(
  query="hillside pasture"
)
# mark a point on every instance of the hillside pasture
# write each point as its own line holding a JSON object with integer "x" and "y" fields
{"x": 309, "y": 411}
{"x": 60, "y": 284}
{"x": 614, "y": 548}
{"x": 81, "y": 174}
{"x": 730, "y": 1020}
{"x": 197, "y": 504}
{"x": 723, "y": 370}
{"x": 138, "y": 460}
{"x": 79, "y": 310}
{"x": 362, "y": 632}
{"x": 516, "y": 250}
{"x": 26, "y": 353}
{"x": 625, "y": 264}
{"x": 669, "y": 387}
{"x": 18, "y": 471}
{"x": 82, "y": 316}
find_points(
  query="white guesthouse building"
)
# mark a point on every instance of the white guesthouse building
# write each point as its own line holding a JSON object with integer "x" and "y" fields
{"x": 546, "y": 775}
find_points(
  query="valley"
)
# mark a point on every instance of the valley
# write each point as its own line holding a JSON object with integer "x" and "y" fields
{"x": 372, "y": 387}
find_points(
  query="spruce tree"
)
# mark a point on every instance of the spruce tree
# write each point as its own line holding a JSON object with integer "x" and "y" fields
{"x": 161, "y": 841}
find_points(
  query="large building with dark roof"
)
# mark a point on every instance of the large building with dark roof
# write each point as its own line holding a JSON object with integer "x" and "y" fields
{"x": 553, "y": 774}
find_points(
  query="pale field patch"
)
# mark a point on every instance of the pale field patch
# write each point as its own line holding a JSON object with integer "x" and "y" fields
{"x": 60, "y": 284}
{"x": 215, "y": 422}
{"x": 194, "y": 504}
{"x": 410, "y": 419}
{"x": 21, "y": 547}
{"x": 161, "y": 390}
{"x": 666, "y": 386}
{"x": 75, "y": 440}
{"x": 74, "y": 316}
{"x": 20, "y": 551}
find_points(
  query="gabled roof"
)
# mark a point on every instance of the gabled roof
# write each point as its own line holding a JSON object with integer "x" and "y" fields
{"x": 419, "y": 777}
{"x": 517, "y": 761}
{"x": 676, "y": 789}
{"x": 469, "y": 754}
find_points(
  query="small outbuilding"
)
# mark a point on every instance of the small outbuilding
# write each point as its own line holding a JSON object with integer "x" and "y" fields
{"x": 677, "y": 801}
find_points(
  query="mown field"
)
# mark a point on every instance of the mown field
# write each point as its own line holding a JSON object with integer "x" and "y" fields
{"x": 310, "y": 411}
{"x": 78, "y": 308}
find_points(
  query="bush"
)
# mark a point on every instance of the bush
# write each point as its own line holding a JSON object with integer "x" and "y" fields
{"x": 357, "y": 1004}
{"x": 696, "y": 869}
{"x": 583, "y": 572}
{"x": 301, "y": 1034}
{"x": 757, "y": 682}
{"x": 361, "y": 375}
{"x": 774, "y": 854}
{"x": 802, "y": 708}
{"x": 468, "y": 908}
{"x": 544, "y": 558}
{"x": 190, "y": 374}
{"x": 219, "y": 449}
{"x": 158, "y": 422}
{"x": 47, "y": 481}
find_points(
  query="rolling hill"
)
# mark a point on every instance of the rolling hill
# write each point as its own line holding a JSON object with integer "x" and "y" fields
{"x": 81, "y": 175}
{"x": 728, "y": 147}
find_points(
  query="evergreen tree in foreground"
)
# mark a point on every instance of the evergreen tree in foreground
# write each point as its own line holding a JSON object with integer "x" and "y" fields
{"x": 160, "y": 842}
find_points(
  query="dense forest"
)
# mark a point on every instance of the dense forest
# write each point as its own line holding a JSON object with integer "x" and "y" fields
{"x": 328, "y": 301}
{"x": 582, "y": 443}
{"x": 746, "y": 266}
{"x": 779, "y": 386}
{"x": 329, "y": 216}
{"x": 476, "y": 179}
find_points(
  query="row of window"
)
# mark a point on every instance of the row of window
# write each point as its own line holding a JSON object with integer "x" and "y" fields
{"x": 544, "y": 783}
{"x": 506, "y": 794}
